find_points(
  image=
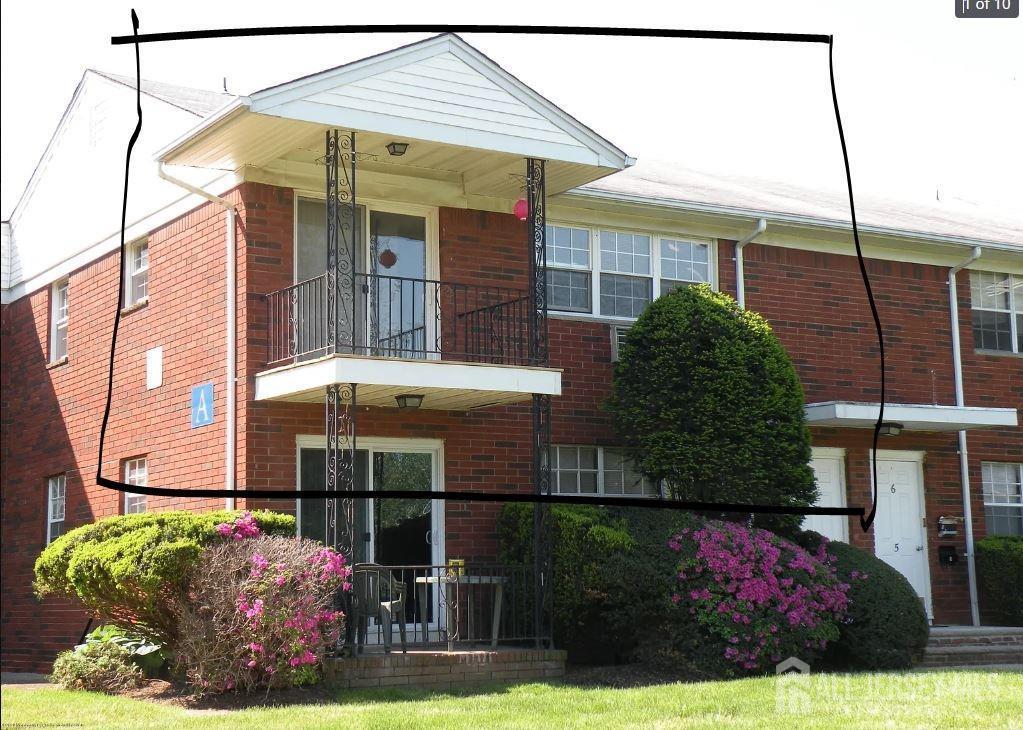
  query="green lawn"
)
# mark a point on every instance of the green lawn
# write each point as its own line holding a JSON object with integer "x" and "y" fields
{"x": 953, "y": 699}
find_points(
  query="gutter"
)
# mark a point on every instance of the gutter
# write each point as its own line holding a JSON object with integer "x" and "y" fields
{"x": 231, "y": 325}
{"x": 740, "y": 286}
{"x": 964, "y": 459}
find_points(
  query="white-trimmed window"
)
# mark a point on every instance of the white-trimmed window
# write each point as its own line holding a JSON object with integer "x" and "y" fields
{"x": 1003, "y": 498}
{"x": 136, "y": 471}
{"x": 996, "y": 301}
{"x": 56, "y": 499}
{"x": 616, "y": 273}
{"x": 597, "y": 470}
{"x": 136, "y": 274}
{"x": 58, "y": 320}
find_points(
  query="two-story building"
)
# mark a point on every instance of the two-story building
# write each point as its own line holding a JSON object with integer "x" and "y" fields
{"x": 411, "y": 272}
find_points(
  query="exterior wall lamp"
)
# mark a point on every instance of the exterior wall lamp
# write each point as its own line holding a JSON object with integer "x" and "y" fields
{"x": 890, "y": 428}
{"x": 397, "y": 149}
{"x": 409, "y": 401}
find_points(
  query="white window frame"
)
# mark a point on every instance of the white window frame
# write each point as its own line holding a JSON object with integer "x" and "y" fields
{"x": 59, "y": 320}
{"x": 58, "y": 481}
{"x": 601, "y": 468}
{"x": 1014, "y": 311}
{"x": 131, "y": 273}
{"x": 136, "y": 471}
{"x": 575, "y": 268}
{"x": 1015, "y": 505}
{"x": 656, "y": 236}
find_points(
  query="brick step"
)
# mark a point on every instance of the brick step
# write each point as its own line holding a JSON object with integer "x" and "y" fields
{"x": 972, "y": 654}
{"x": 995, "y": 636}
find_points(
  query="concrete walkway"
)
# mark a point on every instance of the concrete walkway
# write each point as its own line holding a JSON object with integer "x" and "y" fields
{"x": 24, "y": 679}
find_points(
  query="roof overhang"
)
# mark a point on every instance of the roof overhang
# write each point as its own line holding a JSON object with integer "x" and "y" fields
{"x": 912, "y": 417}
{"x": 461, "y": 113}
{"x": 445, "y": 385}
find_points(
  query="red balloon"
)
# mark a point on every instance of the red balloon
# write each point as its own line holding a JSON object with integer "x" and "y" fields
{"x": 521, "y": 209}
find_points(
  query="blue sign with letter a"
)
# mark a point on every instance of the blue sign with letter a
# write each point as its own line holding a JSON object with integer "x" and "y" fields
{"x": 202, "y": 405}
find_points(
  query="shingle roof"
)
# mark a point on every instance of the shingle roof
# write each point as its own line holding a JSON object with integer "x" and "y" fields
{"x": 198, "y": 101}
{"x": 675, "y": 183}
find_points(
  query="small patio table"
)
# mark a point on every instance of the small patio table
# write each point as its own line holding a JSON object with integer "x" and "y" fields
{"x": 451, "y": 580}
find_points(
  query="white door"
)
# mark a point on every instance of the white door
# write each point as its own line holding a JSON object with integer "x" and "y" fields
{"x": 900, "y": 538}
{"x": 829, "y": 467}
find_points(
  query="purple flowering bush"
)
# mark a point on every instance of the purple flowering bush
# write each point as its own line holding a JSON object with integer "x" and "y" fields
{"x": 259, "y": 611}
{"x": 760, "y": 596}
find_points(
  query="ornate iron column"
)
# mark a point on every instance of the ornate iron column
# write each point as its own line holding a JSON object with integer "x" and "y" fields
{"x": 539, "y": 355}
{"x": 342, "y": 247}
{"x": 340, "y": 469}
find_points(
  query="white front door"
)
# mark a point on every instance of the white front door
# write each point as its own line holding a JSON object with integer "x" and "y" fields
{"x": 900, "y": 537}
{"x": 829, "y": 467}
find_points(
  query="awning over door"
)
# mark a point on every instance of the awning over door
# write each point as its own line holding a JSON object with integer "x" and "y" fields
{"x": 911, "y": 416}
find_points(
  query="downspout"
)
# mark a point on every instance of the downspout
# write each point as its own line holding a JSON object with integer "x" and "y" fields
{"x": 231, "y": 325}
{"x": 964, "y": 459}
{"x": 740, "y": 287}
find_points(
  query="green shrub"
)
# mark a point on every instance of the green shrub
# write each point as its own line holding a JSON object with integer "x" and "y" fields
{"x": 706, "y": 399}
{"x": 999, "y": 577}
{"x": 148, "y": 656}
{"x": 611, "y": 573}
{"x": 886, "y": 626}
{"x": 97, "y": 667}
{"x": 131, "y": 568}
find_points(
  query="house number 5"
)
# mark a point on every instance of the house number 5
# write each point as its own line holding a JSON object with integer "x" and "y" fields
{"x": 896, "y": 547}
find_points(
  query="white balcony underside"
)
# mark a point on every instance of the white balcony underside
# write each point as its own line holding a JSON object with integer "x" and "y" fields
{"x": 912, "y": 417}
{"x": 445, "y": 385}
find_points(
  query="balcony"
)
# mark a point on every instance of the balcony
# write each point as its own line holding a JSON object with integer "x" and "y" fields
{"x": 460, "y": 346}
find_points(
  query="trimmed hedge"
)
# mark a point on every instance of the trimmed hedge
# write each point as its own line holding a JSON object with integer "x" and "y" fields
{"x": 611, "y": 573}
{"x": 1000, "y": 577}
{"x": 887, "y": 625}
{"x": 706, "y": 399}
{"x": 129, "y": 568}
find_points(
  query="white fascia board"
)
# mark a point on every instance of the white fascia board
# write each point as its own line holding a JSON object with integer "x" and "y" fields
{"x": 318, "y": 374}
{"x": 311, "y": 111}
{"x": 913, "y": 417}
{"x": 789, "y": 218}
{"x": 154, "y": 221}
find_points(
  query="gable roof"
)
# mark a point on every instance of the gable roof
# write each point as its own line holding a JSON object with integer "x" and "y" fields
{"x": 674, "y": 185}
{"x": 198, "y": 101}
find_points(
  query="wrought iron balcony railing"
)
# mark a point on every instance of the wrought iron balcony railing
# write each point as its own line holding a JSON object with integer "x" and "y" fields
{"x": 394, "y": 316}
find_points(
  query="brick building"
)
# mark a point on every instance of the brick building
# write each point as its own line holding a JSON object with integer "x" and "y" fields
{"x": 225, "y": 354}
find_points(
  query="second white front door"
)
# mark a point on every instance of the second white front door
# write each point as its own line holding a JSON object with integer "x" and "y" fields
{"x": 900, "y": 537}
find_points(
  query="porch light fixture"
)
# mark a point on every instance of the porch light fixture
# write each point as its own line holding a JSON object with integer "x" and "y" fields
{"x": 521, "y": 209}
{"x": 409, "y": 400}
{"x": 890, "y": 428}
{"x": 397, "y": 149}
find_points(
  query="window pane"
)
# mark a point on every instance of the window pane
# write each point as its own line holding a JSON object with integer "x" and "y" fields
{"x": 568, "y": 457}
{"x": 992, "y": 330}
{"x": 587, "y": 458}
{"x": 989, "y": 290}
{"x": 667, "y": 286}
{"x": 588, "y": 482}
{"x": 628, "y": 253}
{"x": 60, "y": 342}
{"x": 623, "y": 296}
{"x": 568, "y": 290}
{"x": 1003, "y": 520}
{"x": 139, "y": 286}
{"x": 684, "y": 260}
{"x": 568, "y": 246}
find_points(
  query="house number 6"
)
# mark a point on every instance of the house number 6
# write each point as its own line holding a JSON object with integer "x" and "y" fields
{"x": 893, "y": 489}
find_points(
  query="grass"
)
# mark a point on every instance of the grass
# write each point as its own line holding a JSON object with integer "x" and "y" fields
{"x": 946, "y": 699}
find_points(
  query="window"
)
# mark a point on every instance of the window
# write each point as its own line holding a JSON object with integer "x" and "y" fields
{"x": 135, "y": 472}
{"x": 631, "y": 268}
{"x": 136, "y": 284}
{"x": 997, "y": 304}
{"x": 58, "y": 320}
{"x": 1003, "y": 504}
{"x": 597, "y": 470}
{"x": 56, "y": 494}
{"x": 568, "y": 269}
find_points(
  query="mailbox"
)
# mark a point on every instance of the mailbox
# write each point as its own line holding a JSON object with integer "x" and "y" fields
{"x": 949, "y": 526}
{"x": 948, "y": 555}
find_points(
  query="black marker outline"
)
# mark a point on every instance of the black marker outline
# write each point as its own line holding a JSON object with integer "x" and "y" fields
{"x": 715, "y": 507}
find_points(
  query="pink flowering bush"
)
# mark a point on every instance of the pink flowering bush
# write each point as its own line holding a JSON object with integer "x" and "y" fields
{"x": 259, "y": 611}
{"x": 762, "y": 597}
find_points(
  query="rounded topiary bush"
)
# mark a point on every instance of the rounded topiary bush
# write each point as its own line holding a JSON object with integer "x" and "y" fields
{"x": 706, "y": 399}
{"x": 999, "y": 577}
{"x": 886, "y": 627}
{"x": 132, "y": 569}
